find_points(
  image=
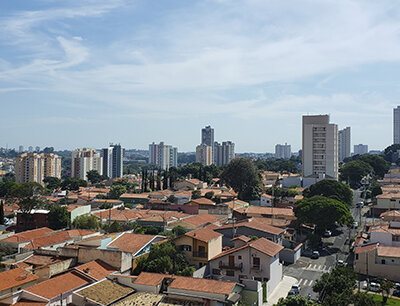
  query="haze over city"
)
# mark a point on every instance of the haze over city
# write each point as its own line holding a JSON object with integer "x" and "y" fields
{"x": 86, "y": 73}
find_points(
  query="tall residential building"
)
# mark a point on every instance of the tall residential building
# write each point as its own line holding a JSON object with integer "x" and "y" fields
{"x": 85, "y": 160}
{"x": 112, "y": 161}
{"x": 396, "y": 125}
{"x": 204, "y": 154}
{"x": 320, "y": 147}
{"x": 360, "y": 149}
{"x": 37, "y": 149}
{"x": 30, "y": 149}
{"x": 34, "y": 167}
{"x": 207, "y": 136}
{"x": 224, "y": 152}
{"x": 344, "y": 143}
{"x": 21, "y": 149}
{"x": 283, "y": 151}
{"x": 162, "y": 155}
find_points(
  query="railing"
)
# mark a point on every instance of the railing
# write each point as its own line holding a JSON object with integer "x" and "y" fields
{"x": 200, "y": 254}
{"x": 231, "y": 267}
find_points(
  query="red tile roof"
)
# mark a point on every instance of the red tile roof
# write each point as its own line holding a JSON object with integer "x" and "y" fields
{"x": 203, "y": 234}
{"x": 203, "y": 201}
{"x": 131, "y": 243}
{"x": 388, "y": 251}
{"x": 48, "y": 240}
{"x": 273, "y": 211}
{"x": 96, "y": 269}
{"x": 202, "y": 285}
{"x": 202, "y": 219}
{"x": 28, "y": 235}
{"x": 42, "y": 260}
{"x": 365, "y": 248}
{"x": 150, "y": 279}
{"x": 258, "y": 225}
{"x": 57, "y": 285}
{"x": 15, "y": 277}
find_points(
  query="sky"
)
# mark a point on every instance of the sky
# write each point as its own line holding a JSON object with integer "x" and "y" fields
{"x": 86, "y": 73}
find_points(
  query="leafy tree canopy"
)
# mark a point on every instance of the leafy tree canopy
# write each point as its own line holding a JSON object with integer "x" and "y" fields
{"x": 116, "y": 191}
{"x": 58, "y": 217}
{"x": 242, "y": 175}
{"x": 390, "y": 151}
{"x": 354, "y": 171}
{"x": 72, "y": 183}
{"x": 86, "y": 222}
{"x": 52, "y": 182}
{"x": 330, "y": 189}
{"x": 179, "y": 230}
{"x": 94, "y": 177}
{"x": 323, "y": 212}
{"x": 295, "y": 301}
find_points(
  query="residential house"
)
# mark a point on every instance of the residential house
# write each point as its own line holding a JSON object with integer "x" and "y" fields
{"x": 391, "y": 215}
{"x": 257, "y": 260}
{"x": 195, "y": 221}
{"x": 134, "y": 198}
{"x": 378, "y": 260}
{"x": 36, "y": 218}
{"x": 386, "y": 234}
{"x": 200, "y": 245}
{"x": 15, "y": 280}
{"x": 200, "y": 206}
{"x": 76, "y": 210}
{"x": 386, "y": 201}
{"x": 192, "y": 184}
{"x": 266, "y": 200}
{"x": 96, "y": 269}
{"x": 270, "y": 212}
{"x": 19, "y": 240}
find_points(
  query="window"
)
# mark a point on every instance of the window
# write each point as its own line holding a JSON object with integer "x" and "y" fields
{"x": 186, "y": 247}
{"x": 356, "y": 256}
{"x": 395, "y": 238}
{"x": 383, "y": 261}
{"x": 216, "y": 271}
{"x": 258, "y": 279}
{"x": 242, "y": 276}
{"x": 230, "y": 273}
{"x": 239, "y": 257}
{"x": 256, "y": 262}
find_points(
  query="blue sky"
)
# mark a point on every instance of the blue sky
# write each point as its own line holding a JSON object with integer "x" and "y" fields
{"x": 89, "y": 72}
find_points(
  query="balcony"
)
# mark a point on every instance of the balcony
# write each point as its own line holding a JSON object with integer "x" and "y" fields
{"x": 200, "y": 254}
{"x": 231, "y": 267}
{"x": 256, "y": 268}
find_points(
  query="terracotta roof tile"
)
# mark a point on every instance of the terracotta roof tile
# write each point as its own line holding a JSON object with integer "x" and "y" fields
{"x": 150, "y": 279}
{"x": 57, "y": 285}
{"x": 365, "y": 248}
{"x": 202, "y": 285}
{"x": 203, "y": 201}
{"x": 273, "y": 211}
{"x": 48, "y": 240}
{"x": 28, "y": 235}
{"x": 15, "y": 277}
{"x": 202, "y": 219}
{"x": 242, "y": 237}
{"x": 203, "y": 234}
{"x": 388, "y": 251}
{"x": 131, "y": 243}
{"x": 254, "y": 224}
{"x": 266, "y": 246}
{"x": 96, "y": 269}
{"x": 42, "y": 260}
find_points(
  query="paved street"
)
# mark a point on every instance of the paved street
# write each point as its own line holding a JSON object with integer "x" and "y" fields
{"x": 307, "y": 271}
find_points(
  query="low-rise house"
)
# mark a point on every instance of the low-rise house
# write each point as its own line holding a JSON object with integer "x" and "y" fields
{"x": 96, "y": 269}
{"x": 200, "y": 205}
{"x": 266, "y": 200}
{"x": 378, "y": 260}
{"x": 192, "y": 184}
{"x": 46, "y": 266}
{"x": 57, "y": 290}
{"x": 195, "y": 221}
{"x": 134, "y": 198}
{"x": 200, "y": 245}
{"x": 149, "y": 282}
{"x": 36, "y": 218}
{"x": 15, "y": 280}
{"x": 386, "y": 201}
{"x": 257, "y": 260}
{"x": 104, "y": 292}
{"x": 386, "y": 234}
{"x": 270, "y": 212}
{"x": 17, "y": 241}
{"x": 250, "y": 227}
{"x": 76, "y": 210}
{"x": 391, "y": 215}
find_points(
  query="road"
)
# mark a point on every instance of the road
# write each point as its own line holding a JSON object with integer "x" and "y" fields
{"x": 307, "y": 271}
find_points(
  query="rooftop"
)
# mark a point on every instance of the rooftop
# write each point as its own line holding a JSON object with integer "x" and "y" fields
{"x": 388, "y": 251}
{"x": 57, "y": 285}
{"x": 96, "y": 269}
{"x": 150, "y": 279}
{"x": 15, "y": 277}
{"x": 131, "y": 243}
{"x": 203, "y": 234}
{"x": 287, "y": 212}
{"x": 203, "y": 201}
{"x": 202, "y": 285}
{"x": 28, "y": 235}
{"x": 141, "y": 298}
{"x": 365, "y": 248}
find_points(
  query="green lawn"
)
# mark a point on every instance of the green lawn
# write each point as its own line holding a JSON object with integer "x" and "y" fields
{"x": 390, "y": 301}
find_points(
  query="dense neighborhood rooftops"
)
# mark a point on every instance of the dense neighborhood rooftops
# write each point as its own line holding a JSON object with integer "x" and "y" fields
{"x": 15, "y": 277}
{"x": 385, "y": 228}
{"x": 28, "y": 235}
{"x": 42, "y": 260}
{"x": 96, "y": 269}
{"x": 202, "y": 285}
{"x": 203, "y": 234}
{"x": 57, "y": 285}
{"x": 48, "y": 240}
{"x": 203, "y": 201}
{"x": 131, "y": 243}
{"x": 257, "y": 225}
{"x": 272, "y": 211}
{"x": 365, "y": 248}
{"x": 197, "y": 220}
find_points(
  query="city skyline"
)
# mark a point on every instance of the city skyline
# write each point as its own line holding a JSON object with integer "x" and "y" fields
{"x": 164, "y": 70}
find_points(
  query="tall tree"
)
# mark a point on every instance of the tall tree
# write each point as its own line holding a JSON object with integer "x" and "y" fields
{"x": 330, "y": 189}
{"x": 116, "y": 191}
{"x": 58, "y": 217}
{"x": 94, "y": 176}
{"x": 323, "y": 212}
{"x": 243, "y": 177}
{"x": 52, "y": 182}
{"x": 354, "y": 171}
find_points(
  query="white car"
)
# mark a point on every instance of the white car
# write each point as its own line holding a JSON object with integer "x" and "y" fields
{"x": 355, "y": 224}
{"x": 296, "y": 288}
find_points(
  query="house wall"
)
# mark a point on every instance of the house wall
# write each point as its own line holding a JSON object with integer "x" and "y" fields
{"x": 383, "y": 238}
{"x": 197, "y": 294}
{"x": 47, "y": 272}
{"x": 79, "y": 211}
{"x": 146, "y": 288}
{"x": 116, "y": 259}
{"x": 9, "y": 292}
{"x": 214, "y": 247}
{"x": 246, "y": 231}
{"x": 388, "y": 204}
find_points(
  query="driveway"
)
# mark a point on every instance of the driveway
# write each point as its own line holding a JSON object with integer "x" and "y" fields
{"x": 281, "y": 290}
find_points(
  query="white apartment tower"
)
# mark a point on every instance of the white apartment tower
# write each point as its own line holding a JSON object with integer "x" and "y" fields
{"x": 162, "y": 155}
{"x": 344, "y": 142}
{"x": 224, "y": 152}
{"x": 204, "y": 154}
{"x": 85, "y": 160}
{"x": 283, "y": 151}
{"x": 396, "y": 125}
{"x": 112, "y": 161}
{"x": 320, "y": 147}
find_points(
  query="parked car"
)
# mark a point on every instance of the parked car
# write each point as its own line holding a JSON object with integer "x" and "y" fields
{"x": 327, "y": 233}
{"x": 292, "y": 292}
{"x": 355, "y": 224}
{"x": 396, "y": 293}
{"x": 376, "y": 287}
{"x": 340, "y": 262}
{"x": 397, "y": 286}
{"x": 296, "y": 288}
{"x": 360, "y": 204}
{"x": 315, "y": 255}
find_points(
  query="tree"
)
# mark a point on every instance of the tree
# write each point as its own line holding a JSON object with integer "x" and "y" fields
{"x": 171, "y": 198}
{"x": 94, "y": 176}
{"x": 58, "y": 217}
{"x": 164, "y": 258}
{"x": 113, "y": 227}
{"x": 354, "y": 171}
{"x": 179, "y": 230}
{"x": 242, "y": 175}
{"x": 86, "y": 222}
{"x": 386, "y": 286}
{"x": 336, "y": 288}
{"x": 209, "y": 195}
{"x": 390, "y": 153}
{"x": 295, "y": 301}
{"x": 2, "y": 212}
{"x": 72, "y": 183}
{"x": 116, "y": 191}
{"x": 364, "y": 299}
{"x": 378, "y": 164}
{"x": 330, "y": 189}
{"x": 52, "y": 182}
{"x": 323, "y": 212}
{"x": 29, "y": 195}
{"x": 196, "y": 194}
{"x": 376, "y": 190}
